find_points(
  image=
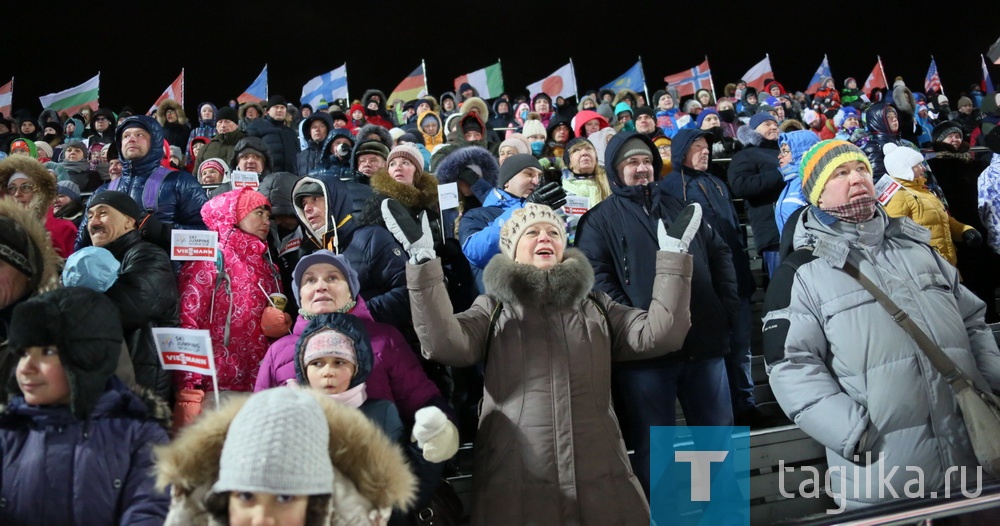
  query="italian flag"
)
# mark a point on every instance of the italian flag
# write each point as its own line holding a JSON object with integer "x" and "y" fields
{"x": 487, "y": 81}
{"x": 70, "y": 101}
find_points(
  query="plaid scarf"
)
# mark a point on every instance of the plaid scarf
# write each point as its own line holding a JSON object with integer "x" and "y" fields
{"x": 857, "y": 211}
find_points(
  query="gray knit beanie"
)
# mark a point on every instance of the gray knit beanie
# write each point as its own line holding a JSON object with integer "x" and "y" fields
{"x": 632, "y": 146}
{"x": 278, "y": 443}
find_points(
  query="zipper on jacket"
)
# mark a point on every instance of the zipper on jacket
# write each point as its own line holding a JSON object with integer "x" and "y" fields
{"x": 625, "y": 260}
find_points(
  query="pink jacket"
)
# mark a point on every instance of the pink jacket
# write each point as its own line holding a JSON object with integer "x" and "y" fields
{"x": 249, "y": 269}
{"x": 397, "y": 375}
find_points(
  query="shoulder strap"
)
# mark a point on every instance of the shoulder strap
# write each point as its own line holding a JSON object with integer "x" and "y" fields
{"x": 151, "y": 190}
{"x": 937, "y": 357}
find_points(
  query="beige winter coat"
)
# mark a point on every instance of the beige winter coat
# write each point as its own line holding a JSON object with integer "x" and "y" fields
{"x": 549, "y": 450}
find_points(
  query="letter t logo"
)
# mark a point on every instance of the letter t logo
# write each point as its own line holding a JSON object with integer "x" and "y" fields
{"x": 701, "y": 477}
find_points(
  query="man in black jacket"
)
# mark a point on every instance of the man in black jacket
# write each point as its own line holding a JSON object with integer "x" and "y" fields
{"x": 619, "y": 238}
{"x": 282, "y": 141}
{"x": 754, "y": 177}
{"x": 145, "y": 291}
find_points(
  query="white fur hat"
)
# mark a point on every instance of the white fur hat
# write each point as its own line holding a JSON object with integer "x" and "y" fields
{"x": 900, "y": 160}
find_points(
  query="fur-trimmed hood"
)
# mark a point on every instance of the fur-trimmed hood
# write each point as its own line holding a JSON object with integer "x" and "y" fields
{"x": 171, "y": 104}
{"x": 423, "y": 193}
{"x": 383, "y": 134}
{"x": 476, "y": 158}
{"x": 475, "y": 104}
{"x": 366, "y": 98}
{"x": 370, "y": 472}
{"x": 561, "y": 286}
{"x": 44, "y": 181}
{"x": 51, "y": 263}
{"x": 242, "y": 112}
{"x": 749, "y": 136}
{"x": 623, "y": 94}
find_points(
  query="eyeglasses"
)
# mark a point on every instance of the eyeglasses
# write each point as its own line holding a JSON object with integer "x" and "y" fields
{"x": 25, "y": 188}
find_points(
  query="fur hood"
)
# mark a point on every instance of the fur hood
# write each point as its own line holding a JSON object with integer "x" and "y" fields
{"x": 242, "y": 113}
{"x": 383, "y": 134}
{"x": 476, "y": 158}
{"x": 621, "y": 95}
{"x": 561, "y": 286}
{"x": 423, "y": 193}
{"x": 477, "y": 104}
{"x": 171, "y": 104}
{"x": 51, "y": 263}
{"x": 749, "y": 136}
{"x": 366, "y": 98}
{"x": 44, "y": 181}
{"x": 370, "y": 471}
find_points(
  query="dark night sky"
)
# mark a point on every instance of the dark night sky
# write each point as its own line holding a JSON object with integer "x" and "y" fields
{"x": 141, "y": 53}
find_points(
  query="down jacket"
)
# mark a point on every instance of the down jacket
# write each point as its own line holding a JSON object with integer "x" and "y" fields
{"x": 236, "y": 304}
{"x": 179, "y": 198}
{"x": 57, "y": 469}
{"x": 282, "y": 142}
{"x": 548, "y": 449}
{"x": 916, "y": 201}
{"x": 854, "y": 380}
{"x": 397, "y": 375}
{"x": 755, "y": 177}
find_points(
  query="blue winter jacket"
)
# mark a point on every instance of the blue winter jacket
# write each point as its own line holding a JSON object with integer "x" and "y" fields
{"x": 180, "y": 197}
{"x": 618, "y": 236}
{"x": 57, "y": 469}
{"x": 479, "y": 229}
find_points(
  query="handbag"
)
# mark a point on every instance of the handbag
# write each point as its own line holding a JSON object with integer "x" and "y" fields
{"x": 980, "y": 409}
{"x": 444, "y": 509}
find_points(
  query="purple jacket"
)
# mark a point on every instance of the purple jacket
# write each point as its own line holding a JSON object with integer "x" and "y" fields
{"x": 397, "y": 375}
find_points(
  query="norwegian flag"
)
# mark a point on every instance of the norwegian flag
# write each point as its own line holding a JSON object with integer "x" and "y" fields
{"x": 932, "y": 82}
{"x": 691, "y": 80}
{"x": 174, "y": 91}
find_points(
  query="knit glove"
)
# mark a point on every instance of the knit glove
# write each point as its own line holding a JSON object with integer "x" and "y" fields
{"x": 549, "y": 194}
{"x": 187, "y": 408}
{"x": 469, "y": 176}
{"x": 275, "y": 323}
{"x": 972, "y": 238}
{"x": 682, "y": 231}
{"x": 418, "y": 241}
{"x": 434, "y": 434}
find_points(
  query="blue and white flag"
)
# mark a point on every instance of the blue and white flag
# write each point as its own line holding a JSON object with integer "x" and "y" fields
{"x": 632, "y": 79}
{"x": 328, "y": 86}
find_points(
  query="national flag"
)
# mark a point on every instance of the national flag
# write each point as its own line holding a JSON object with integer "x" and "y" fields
{"x": 633, "y": 79}
{"x": 329, "y": 86}
{"x": 561, "y": 83}
{"x": 257, "y": 91}
{"x": 691, "y": 80}
{"x": 6, "y": 94}
{"x": 932, "y": 82}
{"x": 487, "y": 81}
{"x": 69, "y": 101}
{"x": 756, "y": 75}
{"x": 174, "y": 91}
{"x": 876, "y": 79}
{"x": 987, "y": 83}
{"x": 822, "y": 72}
{"x": 410, "y": 88}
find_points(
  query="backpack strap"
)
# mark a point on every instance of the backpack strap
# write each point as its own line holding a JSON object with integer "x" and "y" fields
{"x": 151, "y": 190}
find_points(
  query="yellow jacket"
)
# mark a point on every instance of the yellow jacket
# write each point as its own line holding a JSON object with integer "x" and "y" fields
{"x": 916, "y": 201}
{"x": 430, "y": 141}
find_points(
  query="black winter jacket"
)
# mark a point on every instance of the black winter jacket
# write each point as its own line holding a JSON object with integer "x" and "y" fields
{"x": 282, "y": 143}
{"x": 754, "y": 176}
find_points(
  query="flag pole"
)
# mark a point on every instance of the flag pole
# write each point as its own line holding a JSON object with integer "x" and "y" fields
{"x": 645, "y": 90}
{"x": 882, "y": 69}
{"x": 500, "y": 67}
{"x": 183, "y": 80}
{"x": 423, "y": 68}
{"x": 711, "y": 83}
{"x": 572, "y": 69}
{"x": 347, "y": 88}
{"x": 265, "y": 83}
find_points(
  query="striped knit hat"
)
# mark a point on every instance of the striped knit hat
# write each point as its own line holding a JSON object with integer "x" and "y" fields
{"x": 821, "y": 160}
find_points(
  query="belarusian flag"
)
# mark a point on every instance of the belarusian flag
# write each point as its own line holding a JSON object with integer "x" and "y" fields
{"x": 487, "y": 81}
{"x": 70, "y": 101}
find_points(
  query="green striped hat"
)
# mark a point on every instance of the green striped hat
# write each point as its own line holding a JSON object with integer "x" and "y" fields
{"x": 820, "y": 161}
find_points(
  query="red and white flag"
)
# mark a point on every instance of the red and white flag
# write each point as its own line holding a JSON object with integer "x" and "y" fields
{"x": 691, "y": 80}
{"x": 756, "y": 75}
{"x": 174, "y": 91}
{"x": 561, "y": 83}
{"x": 6, "y": 94}
{"x": 876, "y": 79}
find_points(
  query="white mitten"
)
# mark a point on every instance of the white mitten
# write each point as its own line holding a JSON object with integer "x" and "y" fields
{"x": 435, "y": 435}
{"x": 682, "y": 231}
{"x": 417, "y": 240}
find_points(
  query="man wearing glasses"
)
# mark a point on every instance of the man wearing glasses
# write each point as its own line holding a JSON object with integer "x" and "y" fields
{"x": 101, "y": 131}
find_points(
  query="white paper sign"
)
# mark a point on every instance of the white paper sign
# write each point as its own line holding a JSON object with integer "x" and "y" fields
{"x": 193, "y": 245}
{"x": 448, "y": 195}
{"x": 576, "y": 205}
{"x": 885, "y": 188}
{"x": 184, "y": 350}
{"x": 242, "y": 179}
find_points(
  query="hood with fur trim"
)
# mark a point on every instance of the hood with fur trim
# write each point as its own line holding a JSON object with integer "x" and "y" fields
{"x": 749, "y": 136}
{"x": 475, "y": 104}
{"x": 626, "y": 93}
{"x": 242, "y": 112}
{"x": 366, "y": 98}
{"x": 370, "y": 472}
{"x": 51, "y": 263}
{"x": 475, "y": 158}
{"x": 383, "y": 134}
{"x": 423, "y": 193}
{"x": 44, "y": 181}
{"x": 561, "y": 286}
{"x": 171, "y": 104}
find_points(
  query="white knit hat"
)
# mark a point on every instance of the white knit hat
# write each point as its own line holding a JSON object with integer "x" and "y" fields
{"x": 533, "y": 127}
{"x": 900, "y": 160}
{"x": 278, "y": 443}
{"x": 521, "y": 219}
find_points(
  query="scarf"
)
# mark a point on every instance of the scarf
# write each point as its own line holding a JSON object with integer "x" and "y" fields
{"x": 856, "y": 211}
